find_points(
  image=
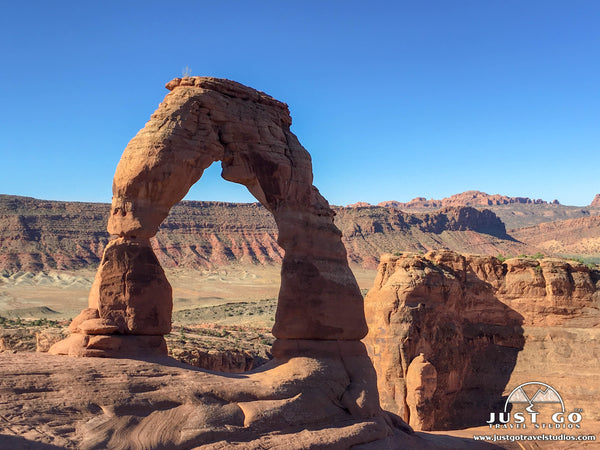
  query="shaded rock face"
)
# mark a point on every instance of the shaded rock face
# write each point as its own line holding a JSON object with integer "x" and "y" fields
{"x": 435, "y": 308}
{"x": 201, "y": 121}
{"x": 421, "y": 384}
{"x": 466, "y": 315}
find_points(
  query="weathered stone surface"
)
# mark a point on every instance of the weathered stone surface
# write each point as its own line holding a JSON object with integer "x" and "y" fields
{"x": 130, "y": 295}
{"x": 436, "y": 305}
{"x": 111, "y": 346}
{"x": 161, "y": 403}
{"x": 97, "y": 326}
{"x": 321, "y": 376}
{"x": 596, "y": 202}
{"x": 474, "y": 318}
{"x": 133, "y": 290}
{"x": 421, "y": 384}
{"x": 86, "y": 314}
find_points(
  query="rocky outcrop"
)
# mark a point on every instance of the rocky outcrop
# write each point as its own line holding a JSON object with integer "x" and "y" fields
{"x": 201, "y": 121}
{"x": 370, "y": 231}
{"x": 596, "y": 202}
{"x": 38, "y": 235}
{"x": 466, "y": 315}
{"x": 230, "y": 361}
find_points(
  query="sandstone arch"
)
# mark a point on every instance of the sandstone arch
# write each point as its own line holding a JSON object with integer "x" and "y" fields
{"x": 203, "y": 120}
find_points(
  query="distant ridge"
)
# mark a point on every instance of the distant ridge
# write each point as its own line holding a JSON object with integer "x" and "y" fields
{"x": 468, "y": 198}
{"x": 41, "y": 235}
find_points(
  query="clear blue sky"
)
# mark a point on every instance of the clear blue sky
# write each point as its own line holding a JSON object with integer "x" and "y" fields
{"x": 393, "y": 99}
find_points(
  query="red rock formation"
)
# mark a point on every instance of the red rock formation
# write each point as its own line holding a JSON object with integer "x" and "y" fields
{"x": 99, "y": 403}
{"x": 465, "y": 315}
{"x": 596, "y": 202}
{"x": 321, "y": 374}
{"x": 201, "y": 121}
{"x": 468, "y": 198}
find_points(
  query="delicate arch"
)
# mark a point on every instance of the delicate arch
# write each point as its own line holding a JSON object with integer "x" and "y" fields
{"x": 203, "y": 120}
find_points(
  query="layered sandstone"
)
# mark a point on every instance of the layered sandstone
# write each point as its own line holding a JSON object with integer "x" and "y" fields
{"x": 467, "y": 316}
{"x": 596, "y": 202}
{"x": 204, "y": 235}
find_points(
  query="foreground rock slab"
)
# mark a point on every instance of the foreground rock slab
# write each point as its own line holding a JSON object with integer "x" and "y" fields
{"x": 96, "y": 403}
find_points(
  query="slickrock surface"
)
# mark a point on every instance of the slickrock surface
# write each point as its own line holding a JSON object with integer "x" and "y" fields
{"x": 50, "y": 402}
{"x": 485, "y": 326}
{"x": 468, "y": 198}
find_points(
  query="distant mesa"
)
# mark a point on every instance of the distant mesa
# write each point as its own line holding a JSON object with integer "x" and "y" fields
{"x": 596, "y": 201}
{"x": 359, "y": 205}
{"x": 468, "y": 198}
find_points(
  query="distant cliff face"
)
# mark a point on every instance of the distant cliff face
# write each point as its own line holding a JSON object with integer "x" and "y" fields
{"x": 596, "y": 202}
{"x": 37, "y": 235}
{"x": 40, "y": 235}
{"x": 465, "y": 316}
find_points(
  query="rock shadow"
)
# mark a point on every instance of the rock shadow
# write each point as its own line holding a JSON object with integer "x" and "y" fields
{"x": 473, "y": 340}
{"x": 443, "y": 344}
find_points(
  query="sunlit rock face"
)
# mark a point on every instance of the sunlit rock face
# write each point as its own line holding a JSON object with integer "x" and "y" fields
{"x": 203, "y": 120}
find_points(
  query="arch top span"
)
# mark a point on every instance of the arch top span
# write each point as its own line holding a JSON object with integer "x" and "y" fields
{"x": 200, "y": 121}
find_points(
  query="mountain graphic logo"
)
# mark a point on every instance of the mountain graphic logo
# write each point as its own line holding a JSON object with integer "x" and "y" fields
{"x": 544, "y": 394}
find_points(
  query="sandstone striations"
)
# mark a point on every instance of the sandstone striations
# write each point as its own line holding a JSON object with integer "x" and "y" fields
{"x": 99, "y": 403}
{"x": 202, "y": 235}
{"x": 469, "y": 317}
{"x": 370, "y": 231}
{"x": 38, "y": 235}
